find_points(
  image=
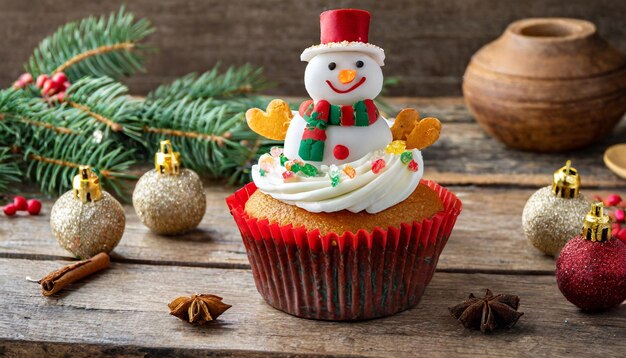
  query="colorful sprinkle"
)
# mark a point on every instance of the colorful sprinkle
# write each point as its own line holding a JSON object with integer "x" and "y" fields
{"x": 378, "y": 165}
{"x": 283, "y": 160}
{"x": 289, "y": 176}
{"x": 350, "y": 172}
{"x": 309, "y": 170}
{"x": 266, "y": 162}
{"x": 406, "y": 157}
{"x": 262, "y": 172}
{"x": 276, "y": 152}
{"x": 413, "y": 166}
{"x": 396, "y": 147}
{"x": 335, "y": 177}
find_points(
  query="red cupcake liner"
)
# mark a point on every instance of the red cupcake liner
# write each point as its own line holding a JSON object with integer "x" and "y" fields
{"x": 353, "y": 276}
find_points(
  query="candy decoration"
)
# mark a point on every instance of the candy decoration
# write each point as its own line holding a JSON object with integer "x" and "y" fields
{"x": 341, "y": 152}
{"x": 350, "y": 172}
{"x": 378, "y": 165}
{"x": 554, "y": 214}
{"x": 333, "y": 173}
{"x": 396, "y": 147}
{"x": 9, "y": 210}
{"x": 169, "y": 200}
{"x": 20, "y": 203}
{"x": 406, "y": 157}
{"x": 283, "y": 160}
{"x": 34, "y": 207}
{"x": 417, "y": 133}
{"x": 276, "y": 152}
{"x": 262, "y": 172}
{"x": 309, "y": 170}
{"x": 413, "y": 166}
{"x": 591, "y": 268}
{"x": 289, "y": 176}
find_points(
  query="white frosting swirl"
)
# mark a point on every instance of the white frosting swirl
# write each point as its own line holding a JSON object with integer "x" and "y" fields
{"x": 369, "y": 191}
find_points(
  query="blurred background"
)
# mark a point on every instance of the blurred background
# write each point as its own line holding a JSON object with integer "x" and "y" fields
{"x": 428, "y": 42}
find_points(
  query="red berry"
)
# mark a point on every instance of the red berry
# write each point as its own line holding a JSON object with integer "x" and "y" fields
{"x": 49, "y": 88}
{"x": 20, "y": 203}
{"x": 18, "y": 84}
{"x": 613, "y": 200}
{"x": 619, "y": 215}
{"x": 26, "y": 78}
{"x": 378, "y": 165}
{"x": 34, "y": 206}
{"x": 9, "y": 210}
{"x": 41, "y": 79}
{"x": 60, "y": 96}
{"x": 59, "y": 78}
{"x": 66, "y": 85}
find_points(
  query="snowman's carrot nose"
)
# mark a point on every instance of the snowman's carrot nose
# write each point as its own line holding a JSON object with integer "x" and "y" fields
{"x": 346, "y": 76}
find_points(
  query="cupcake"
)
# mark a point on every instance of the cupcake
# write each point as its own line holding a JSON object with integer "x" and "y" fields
{"x": 338, "y": 224}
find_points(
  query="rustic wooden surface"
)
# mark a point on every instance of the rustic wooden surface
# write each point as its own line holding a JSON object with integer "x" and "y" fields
{"x": 428, "y": 43}
{"x": 123, "y": 311}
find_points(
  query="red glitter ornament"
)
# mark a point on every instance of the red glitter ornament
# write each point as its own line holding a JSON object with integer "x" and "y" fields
{"x": 591, "y": 269}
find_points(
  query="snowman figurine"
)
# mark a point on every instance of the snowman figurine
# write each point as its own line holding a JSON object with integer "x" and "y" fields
{"x": 340, "y": 124}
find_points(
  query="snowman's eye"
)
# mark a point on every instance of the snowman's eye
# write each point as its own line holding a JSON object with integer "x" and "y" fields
{"x": 359, "y": 64}
{"x": 331, "y": 66}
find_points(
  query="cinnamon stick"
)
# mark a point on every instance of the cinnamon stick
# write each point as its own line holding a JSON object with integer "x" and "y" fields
{"x": 61, "y": 278}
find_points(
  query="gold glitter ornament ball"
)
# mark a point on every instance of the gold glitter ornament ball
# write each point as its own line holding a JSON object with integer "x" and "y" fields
{"x": 170, "y": 204}
{"x": 86, "y": 220}
{"x": 550, "y": 221}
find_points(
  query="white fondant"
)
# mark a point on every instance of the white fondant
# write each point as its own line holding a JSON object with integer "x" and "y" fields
{"x": 359, "y": 140}
{"x": 377, "y": 53}
{"x": 317, "y": 73}
{"x": 366, "y": 191}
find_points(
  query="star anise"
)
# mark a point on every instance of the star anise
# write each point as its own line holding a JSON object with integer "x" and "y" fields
{"x": 198, "y": 309}
{"x": 489, "y": 312}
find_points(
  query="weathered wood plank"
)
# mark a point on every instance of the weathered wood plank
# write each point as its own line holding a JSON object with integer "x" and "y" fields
{"x": 487, "y": 237}
{"x": 126, "y": 306}
{"x": 428, "y": 43}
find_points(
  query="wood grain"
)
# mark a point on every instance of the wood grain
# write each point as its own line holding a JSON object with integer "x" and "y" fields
{"x": 487, "y": 237}
{"x": 126, "y": 306}
{"x": 428, "y": 43}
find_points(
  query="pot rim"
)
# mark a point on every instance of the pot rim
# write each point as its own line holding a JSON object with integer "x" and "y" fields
{"x": 551, "y": 29}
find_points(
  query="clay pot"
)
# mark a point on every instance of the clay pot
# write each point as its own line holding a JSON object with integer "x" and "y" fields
{"x": 546, "y": 85}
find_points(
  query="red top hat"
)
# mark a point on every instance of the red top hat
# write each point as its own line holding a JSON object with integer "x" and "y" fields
{"x": 344, "y": 30}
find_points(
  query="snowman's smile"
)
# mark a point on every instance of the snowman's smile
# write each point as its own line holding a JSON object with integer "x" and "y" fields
{"x": 349, "y": 89}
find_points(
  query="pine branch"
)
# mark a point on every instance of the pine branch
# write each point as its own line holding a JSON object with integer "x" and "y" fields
{"x": 234, "y": 82}
{"x": 53, "y": 163}
{"x": 212, "y": 136}
{"x": 102, "y": 104}
{"x": 9, "y": 170}
{"x": 93, "y": 47}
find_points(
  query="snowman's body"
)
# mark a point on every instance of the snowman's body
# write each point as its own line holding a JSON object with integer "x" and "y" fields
{"x": 358, "y": 140}
{"x": 342, "y": 78}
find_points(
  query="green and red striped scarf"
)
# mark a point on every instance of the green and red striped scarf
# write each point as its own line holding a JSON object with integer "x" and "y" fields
{"x": 320, "y": 115}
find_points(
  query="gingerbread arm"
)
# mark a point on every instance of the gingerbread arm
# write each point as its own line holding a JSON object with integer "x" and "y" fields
{"x": 271, "y": 123}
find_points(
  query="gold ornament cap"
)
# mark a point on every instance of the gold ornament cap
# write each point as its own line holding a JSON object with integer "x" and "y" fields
{"x": 166, "y": 160}
{"x": 86, "y": 185}
{"x": 597, "y": 225}
{"x": 566, "y": 182}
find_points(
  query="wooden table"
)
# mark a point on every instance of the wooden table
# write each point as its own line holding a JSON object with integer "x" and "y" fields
{"x": 123, "y": 310}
